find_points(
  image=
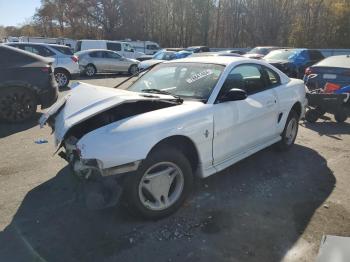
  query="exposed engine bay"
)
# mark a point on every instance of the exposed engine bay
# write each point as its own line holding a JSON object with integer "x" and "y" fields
{"x": 117, "y": 113}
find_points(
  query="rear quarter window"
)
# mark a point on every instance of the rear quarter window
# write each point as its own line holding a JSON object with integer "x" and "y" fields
{"x": 78, "y": 46}
{"x": 12, "y": 57}
{"x": 63, "y": 50}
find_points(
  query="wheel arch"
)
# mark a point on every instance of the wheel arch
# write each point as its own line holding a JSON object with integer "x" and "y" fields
{"x": 62, "y": 69}
{"x": 182, "y": 143}
{"x": 297, "y": 108}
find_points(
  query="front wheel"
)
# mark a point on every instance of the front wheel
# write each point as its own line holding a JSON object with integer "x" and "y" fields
{"x": 161, "y": 184}
{"x": 290, "y": 131}
{"x": 133, "y": 69}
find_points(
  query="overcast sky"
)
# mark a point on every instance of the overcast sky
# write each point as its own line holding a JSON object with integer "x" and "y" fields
{"x": 15, "y": 12}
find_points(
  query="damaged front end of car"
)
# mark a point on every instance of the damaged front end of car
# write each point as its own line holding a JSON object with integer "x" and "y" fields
{"x": 87, "y": 109}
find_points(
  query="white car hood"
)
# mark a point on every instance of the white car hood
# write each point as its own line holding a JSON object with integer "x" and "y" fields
{"x": 86, "y": 101}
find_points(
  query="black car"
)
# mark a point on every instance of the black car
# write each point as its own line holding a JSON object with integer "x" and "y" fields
{"x": 197, "y": 49}
{"x": 333, "y": 69}
{"x": 26, "y": 81}
{"x": 293, "y": 62}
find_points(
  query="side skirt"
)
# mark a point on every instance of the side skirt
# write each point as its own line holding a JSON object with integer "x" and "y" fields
{"x": 238, "y": 157}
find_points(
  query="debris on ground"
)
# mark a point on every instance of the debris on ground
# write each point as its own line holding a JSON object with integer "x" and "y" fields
{"x": 40, "y": 141}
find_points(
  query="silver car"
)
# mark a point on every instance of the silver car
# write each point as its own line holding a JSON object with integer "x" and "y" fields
{"x": 65, "y": 66}
{"x": 95, "y": 61}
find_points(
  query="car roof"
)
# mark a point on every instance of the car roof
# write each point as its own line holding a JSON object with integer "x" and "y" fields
{"x": 291, "y": 49}
{"x": 94, "y": 50}
{"x": 221, "y": 60}
{"x": 26, "y": 53}
{"x": 31, "y": 43}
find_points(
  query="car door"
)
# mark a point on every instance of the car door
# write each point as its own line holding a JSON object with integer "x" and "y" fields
{"x": 97, "y": 59}
{"x": 128, "y": 51}
{"x": 241, "y": 126}
{"x": 116, "y": 63}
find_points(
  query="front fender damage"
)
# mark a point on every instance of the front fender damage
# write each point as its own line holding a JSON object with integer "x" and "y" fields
{"x": 101, "y": 188}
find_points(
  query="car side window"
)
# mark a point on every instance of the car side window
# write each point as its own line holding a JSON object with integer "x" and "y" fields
{"x": 128, "y": 48}
{"x": 114, "y": 46}
{"x": 273, "y": 79}
{"x": 246, "y": 77}
{"x": 39, "y": 50}
{"x": 96, "y": 54}
{"x": 111, "y": 55}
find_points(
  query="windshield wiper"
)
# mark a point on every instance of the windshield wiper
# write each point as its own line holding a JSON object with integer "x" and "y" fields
{"x": 158, "y": 91}
{"x": 137, "y": 73}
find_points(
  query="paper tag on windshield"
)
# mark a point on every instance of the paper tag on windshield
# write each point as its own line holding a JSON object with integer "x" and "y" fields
{"x": 198, "y": 76}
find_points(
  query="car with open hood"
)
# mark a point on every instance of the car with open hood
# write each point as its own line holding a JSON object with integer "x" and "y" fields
{"x": 179, "y": 120}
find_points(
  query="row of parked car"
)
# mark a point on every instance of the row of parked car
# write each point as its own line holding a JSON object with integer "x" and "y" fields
{"x": 66, "y": 65}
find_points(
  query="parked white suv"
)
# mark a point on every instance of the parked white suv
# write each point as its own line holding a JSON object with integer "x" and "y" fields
{"x": 181, "y": 119}
{"x": 66, "y": 65}
{"x": 122, "y": 48}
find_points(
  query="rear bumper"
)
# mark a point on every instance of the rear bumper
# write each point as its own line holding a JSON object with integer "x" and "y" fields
{"x": 48, "y": 96}
{"x": 75, "y": 76}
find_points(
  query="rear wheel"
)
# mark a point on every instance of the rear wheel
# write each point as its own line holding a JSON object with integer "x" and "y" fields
{"x": 17, "y": 104}
{"x": 62, "y": 78}
{"x": 340, "y": 116}
{"x": 90, "y": 70}
{"x": 290, "y": 131}
{"x": 312, "y": 115}
{"x": 161, "y": 184}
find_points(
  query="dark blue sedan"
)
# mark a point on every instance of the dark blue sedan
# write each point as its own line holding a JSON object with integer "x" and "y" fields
{"x": 333, "y": 69}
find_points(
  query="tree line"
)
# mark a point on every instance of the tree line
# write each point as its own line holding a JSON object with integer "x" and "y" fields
{"x": 181, "y": 23}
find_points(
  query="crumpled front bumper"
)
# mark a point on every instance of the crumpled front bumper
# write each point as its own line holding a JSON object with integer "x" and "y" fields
{"x": 101, "y": 188}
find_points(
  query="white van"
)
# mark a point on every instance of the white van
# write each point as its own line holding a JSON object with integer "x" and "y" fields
{"x": 147, "y": 47}
{"x": 122, "y": 48}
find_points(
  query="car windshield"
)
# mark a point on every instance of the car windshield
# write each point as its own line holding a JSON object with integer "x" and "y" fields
{"x": 283, "y": 55}
{"x": 186, "y": 80}
{"x": 259, "y": 50}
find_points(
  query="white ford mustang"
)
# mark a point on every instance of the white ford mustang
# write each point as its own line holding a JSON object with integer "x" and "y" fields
{"x": 181, "y": 119}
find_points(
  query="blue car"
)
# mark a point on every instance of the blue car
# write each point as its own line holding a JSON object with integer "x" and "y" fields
{"x": 333, "y": 69}
{"x": 293, "y": 62}
{"x": 163, "y": 55}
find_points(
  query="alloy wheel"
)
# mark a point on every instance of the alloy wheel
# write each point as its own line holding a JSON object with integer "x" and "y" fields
{"x": 161, "y": 186}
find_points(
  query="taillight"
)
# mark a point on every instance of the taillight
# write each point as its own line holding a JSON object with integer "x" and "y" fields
{"x": 46, "y": 69}
{"x": 75, "y": 58}
{"x": 308, "y": 71}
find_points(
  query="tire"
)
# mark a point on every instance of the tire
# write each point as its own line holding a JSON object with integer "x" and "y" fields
{"x": 90, "y": 70}
{"x": 133, "y": 69}
{"x": 340, "y": 116}
{"x": 290, "y": 132}
{"x": 312, "y": 115}
{"x": 154, "y": 197}
{"x": 17, "y": 104}
{"x": 62, "y": 78}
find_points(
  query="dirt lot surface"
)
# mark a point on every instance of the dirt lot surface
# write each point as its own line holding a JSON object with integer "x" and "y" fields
{"x": 270, "y": 207}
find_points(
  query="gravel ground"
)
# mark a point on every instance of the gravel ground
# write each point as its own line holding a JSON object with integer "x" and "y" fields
{"x": 269, "y": 207}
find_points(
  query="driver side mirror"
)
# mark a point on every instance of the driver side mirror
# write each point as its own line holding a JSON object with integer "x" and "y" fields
{"x": 234, "y": 94}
